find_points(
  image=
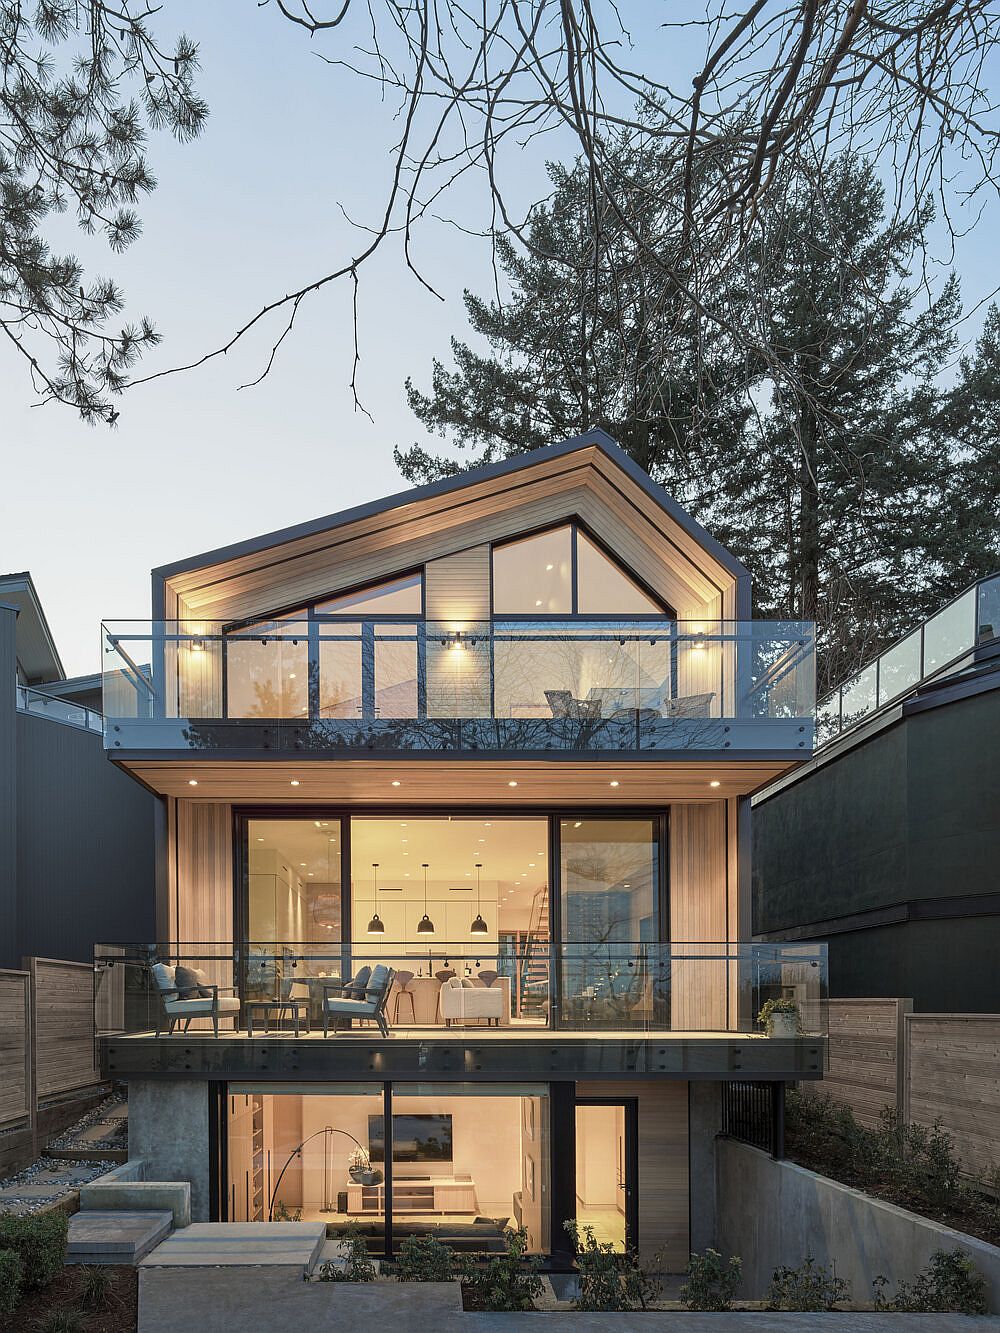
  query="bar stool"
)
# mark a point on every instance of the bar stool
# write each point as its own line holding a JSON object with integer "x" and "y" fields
{"x": 403, "y": 980}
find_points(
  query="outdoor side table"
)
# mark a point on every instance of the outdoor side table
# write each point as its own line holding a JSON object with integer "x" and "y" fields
{"x": 277, "y": 1007}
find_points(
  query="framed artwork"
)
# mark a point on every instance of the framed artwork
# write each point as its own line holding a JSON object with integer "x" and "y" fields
{"x": 528, "y": 1117}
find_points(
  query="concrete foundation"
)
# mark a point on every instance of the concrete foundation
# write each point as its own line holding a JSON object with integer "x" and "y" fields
{"x": 705, "y": 1123}
{"x": 168, "y": 1129}
{"x": 773, "y": 1213}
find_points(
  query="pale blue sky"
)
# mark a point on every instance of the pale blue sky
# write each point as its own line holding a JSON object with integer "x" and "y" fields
{"x": 245, "y": 213}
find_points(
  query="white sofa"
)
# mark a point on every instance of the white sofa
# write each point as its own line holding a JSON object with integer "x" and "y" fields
{"x": 462, "y": 1001}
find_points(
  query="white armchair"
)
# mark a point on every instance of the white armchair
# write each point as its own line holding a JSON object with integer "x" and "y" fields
{"x": 463, "y": 1001}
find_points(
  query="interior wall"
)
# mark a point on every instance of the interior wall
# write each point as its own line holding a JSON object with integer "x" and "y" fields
{"x": 597, "y": 1129}
{"x": 699, "y": 837}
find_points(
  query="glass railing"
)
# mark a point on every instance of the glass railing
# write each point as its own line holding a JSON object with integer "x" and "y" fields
{"x": 946, "y": 642}
{"x": 507, "y": 685}
{"x": 608, "y": 987}
{"x": 30, "y": 700}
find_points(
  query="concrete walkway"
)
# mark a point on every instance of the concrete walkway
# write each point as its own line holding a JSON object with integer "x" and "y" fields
{"x": 261, "y": 1300}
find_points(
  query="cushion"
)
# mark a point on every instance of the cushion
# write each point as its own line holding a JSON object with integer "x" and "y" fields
{"x": 468, "y": 983}
{"x": 163, "y": 975}
{"x": 356, "y": 987}
{"x": 192, "y": 983}
{"x": 378, "y": 977}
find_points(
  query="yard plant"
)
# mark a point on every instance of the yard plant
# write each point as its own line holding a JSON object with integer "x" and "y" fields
{"x": 507, "y": 1281}
{"x": 712, "y": 1282}
{"x": 424, "y": 1259}
{"x": 359, "y": 1267}
{"x": 39, "y": 1241}
{"x": 609, "y": 1279}
{"x": 950, "y": 1284}
{"x": 810, "y": 1287}
{"x": 10, "y": 1281}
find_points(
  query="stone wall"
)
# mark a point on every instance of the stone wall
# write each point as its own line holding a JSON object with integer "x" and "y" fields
{"x": 772, "y": 1213}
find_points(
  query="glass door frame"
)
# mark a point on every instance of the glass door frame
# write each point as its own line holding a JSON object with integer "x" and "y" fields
{"x": 630, "y": 1106}
{"x": 243, "y": 814}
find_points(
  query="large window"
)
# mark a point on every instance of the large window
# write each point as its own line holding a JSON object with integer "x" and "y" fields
{"x": 563, "y": 572}
{"x": 467, "y": 1162}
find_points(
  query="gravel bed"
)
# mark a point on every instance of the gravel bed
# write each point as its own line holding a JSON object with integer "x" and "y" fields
{"x": 63, "y": 1177}
{"x": 100, "y": 1115}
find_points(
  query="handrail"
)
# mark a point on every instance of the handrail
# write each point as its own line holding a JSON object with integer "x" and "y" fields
{"x": 90, "y": 715}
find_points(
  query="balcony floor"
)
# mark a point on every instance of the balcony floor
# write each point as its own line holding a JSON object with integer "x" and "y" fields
{"x": 462, "y": 1053}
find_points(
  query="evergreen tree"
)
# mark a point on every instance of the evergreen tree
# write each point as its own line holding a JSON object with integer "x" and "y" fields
{"x": 71, "y": 137}
{"x": 829, "y": 462}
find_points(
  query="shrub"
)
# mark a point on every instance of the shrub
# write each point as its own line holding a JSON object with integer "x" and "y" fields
{"x": 950, "y": 1284}
{"x": 811, "y": 1286}
{"x": 41, "y": 1243}
{"x": 609, "y": 1279}
{"x": 507, "y": 1281}
{"x": 424, "y": 1259}
{"x": 284, "y": 1214}
{"x": 61, "y": 1321}
{"x": 97, "y": 1287}
{"x": 10, "y": 1281}
{"x": 359, "y": 1267}
{"x": 711, "y": 1283}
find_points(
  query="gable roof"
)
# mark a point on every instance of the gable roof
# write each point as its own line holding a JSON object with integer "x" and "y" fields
{"x": 37, "y": 655}
{"x": 193, "y": 578}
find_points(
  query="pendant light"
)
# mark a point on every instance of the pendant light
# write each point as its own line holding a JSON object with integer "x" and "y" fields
{"x": 479, "y": 926}
{"x": 425, "y": 926}
{"x": 376, "y": 926}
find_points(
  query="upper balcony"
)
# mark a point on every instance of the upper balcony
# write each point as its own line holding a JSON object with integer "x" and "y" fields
{"x": 642, "y": 685}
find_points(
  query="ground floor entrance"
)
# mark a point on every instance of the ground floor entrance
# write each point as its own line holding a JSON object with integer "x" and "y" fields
{"x": 464, "y": 1162}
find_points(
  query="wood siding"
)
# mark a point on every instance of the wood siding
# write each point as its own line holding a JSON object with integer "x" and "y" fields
{"x": 15, "y": 1047}
{"x": 952, "y": 1074}
{"x": 202, "y": 890}
{"x": 663, "y": 1165}
{"x": 586, "y": 484}
{"x": 63, "y": 1023}
{"x": 457, "y": 587}
{"x": 457, "y": 780}
{"x": 698, "y": 914}
{"x": 866, "y": 1056}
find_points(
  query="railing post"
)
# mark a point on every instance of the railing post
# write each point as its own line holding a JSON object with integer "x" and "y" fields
{"x": 778, "y": 1121}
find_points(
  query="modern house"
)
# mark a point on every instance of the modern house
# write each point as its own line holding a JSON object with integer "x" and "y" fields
{"x": 482, "y": 754}
{"x": 76, "y": 838}
{"x": 887, "y": 842}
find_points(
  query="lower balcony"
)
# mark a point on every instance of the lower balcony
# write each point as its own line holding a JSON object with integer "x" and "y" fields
{"x": 401, "y": 1010}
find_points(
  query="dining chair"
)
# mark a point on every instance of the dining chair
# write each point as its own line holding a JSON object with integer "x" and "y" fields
{"x": 403, "y": 980}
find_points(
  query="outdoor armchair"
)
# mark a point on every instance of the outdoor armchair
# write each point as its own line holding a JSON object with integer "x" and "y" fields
{"x": 211, "y": 1002}
{"x": 371, "y": 1004}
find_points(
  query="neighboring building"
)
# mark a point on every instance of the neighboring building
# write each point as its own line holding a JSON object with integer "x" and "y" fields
{"x": 504, "y": 726}
{"x": 76, "y": 838}
{"x": 887, "y": 843}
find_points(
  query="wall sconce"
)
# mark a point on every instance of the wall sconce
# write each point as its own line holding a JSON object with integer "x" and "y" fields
{"x": 197, "y": 645}
{"x": 456, "y": 641}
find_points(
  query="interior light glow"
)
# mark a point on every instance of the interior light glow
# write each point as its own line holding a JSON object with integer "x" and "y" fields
{"x": 294, "y": 782}
{"x": 192, "y": 782}
{"x": 614, "y": 783}
{"x": 512, "y": 783}
{"x": 715, "y": 783}
{"x": 397, "y": 783}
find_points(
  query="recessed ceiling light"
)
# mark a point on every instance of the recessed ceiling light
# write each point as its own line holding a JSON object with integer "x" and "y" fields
{"x": 614, "y": 783}
{"x": 302, "y": 863}
{"x": 538, "y": 603}
{"x": 715, "y": 783}
{"x": 310, "y": 874}
{"x": 481, "y": 839}
{"x": 531, "y": 865}
{"x": 549, "y": 568}
{"x": 404, "y": 840}
{"x": 511, "y": 784}
{"x": 291, "y": 675}
{"x": 578, "y": 823}
{"x": 294, "y": 782}
{"x": 192, "y": 782}
{"x": 260, "y": 839}
{"x": 396, "y": 782}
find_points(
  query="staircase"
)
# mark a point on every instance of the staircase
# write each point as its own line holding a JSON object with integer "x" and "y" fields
{"x": 534, "y": 988}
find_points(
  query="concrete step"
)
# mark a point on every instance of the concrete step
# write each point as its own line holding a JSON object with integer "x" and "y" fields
{"x": 294, "y": 1245}
{"x": 115, "y": 1237}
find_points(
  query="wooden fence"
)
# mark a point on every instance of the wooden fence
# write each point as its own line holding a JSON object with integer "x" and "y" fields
{"x": 46, "y": 1035}
{"x": 930, "y": 1068}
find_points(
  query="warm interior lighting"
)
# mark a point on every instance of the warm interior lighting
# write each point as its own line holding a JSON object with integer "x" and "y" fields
{"x": 479, "y": 926}
{"x": 294, "y": 782}
{"x": 375, "y": 926}
{"x": 397, "y": 783}
{"x": 614, "y": 783}
{"x": 425, "y": 926}
{"x": 715, "y": 783}
{"x": 192, "y": 782}
{"x": 512, "y": 784}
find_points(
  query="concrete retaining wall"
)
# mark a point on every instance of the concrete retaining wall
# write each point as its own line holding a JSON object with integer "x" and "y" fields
{"x": 773, "y": 1213}
{"x": 168, "y": 1129}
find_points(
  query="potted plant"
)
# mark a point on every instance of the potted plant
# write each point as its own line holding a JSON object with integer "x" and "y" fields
{"x": 780, "y": 1018}
{"x": 360, "y": 1169}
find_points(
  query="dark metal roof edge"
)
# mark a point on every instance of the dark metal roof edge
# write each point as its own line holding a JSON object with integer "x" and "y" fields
{"x": 472, "y": 477}
{"x": 28, "y": 583}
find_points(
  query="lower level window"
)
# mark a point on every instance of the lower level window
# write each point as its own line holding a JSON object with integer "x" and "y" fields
{"x": 460, "y": 1162}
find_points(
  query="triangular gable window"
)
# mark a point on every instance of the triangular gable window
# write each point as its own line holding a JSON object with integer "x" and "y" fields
{"x": 562, "y": 572}
{"x": 395, "y": 597}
